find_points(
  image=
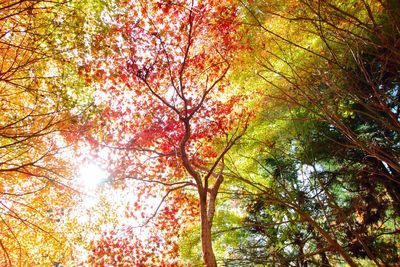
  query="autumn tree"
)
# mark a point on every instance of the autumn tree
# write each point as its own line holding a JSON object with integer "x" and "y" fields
{"x": 161, "y": 73}
{"x": 328, "y": 69}
{"x": 348, "y": 44}
{"x": 39, "y": 91}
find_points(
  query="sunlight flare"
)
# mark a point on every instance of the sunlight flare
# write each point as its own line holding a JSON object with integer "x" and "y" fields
{"x": 91, "y": 175}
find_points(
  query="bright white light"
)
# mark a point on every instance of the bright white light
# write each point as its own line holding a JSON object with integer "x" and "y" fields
{"x": 91, "y": 175}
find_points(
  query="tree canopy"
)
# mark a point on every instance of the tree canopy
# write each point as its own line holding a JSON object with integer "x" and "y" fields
{"x": 191, "y": 133}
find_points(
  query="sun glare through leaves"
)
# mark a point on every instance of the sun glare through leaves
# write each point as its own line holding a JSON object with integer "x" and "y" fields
{"x": 92, "y": 175}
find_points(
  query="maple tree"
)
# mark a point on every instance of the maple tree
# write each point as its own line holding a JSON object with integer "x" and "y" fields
{"x": 161, "y": 72}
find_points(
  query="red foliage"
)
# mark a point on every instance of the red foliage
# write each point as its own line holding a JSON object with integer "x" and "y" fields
{"x": 163, "y": 62}
{"x": 154, "y": 244}
{"x": 162, "y": 76}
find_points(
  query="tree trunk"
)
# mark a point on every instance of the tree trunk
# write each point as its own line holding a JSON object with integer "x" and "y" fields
{"x": 206, "y": 240}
